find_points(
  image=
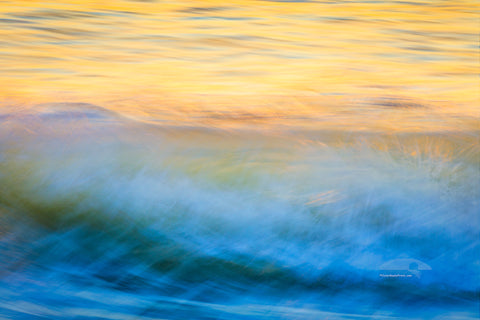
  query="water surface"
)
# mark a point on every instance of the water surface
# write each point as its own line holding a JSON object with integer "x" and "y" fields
{"x": 240, "y": 160}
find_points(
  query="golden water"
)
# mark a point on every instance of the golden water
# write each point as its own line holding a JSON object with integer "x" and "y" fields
{"x": 300, "y": 63}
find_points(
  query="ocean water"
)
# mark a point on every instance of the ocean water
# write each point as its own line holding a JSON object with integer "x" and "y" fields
{"x": 250, "y": 159}
{"x": 106, "y": 217}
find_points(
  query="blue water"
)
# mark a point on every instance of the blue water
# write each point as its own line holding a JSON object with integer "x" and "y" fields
{"x": 104, "y": 217}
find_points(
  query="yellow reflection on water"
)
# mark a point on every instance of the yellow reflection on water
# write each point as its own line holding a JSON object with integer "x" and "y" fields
{"x": 178, "y": 58}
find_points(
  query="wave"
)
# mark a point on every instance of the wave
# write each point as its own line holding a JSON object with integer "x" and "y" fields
{"x": 291, "y": 224}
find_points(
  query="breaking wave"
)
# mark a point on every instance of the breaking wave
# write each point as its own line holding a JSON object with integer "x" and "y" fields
{"x": 105, "y": 217}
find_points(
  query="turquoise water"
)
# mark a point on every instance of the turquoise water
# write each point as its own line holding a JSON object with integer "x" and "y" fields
{"x": 105, "y": 217}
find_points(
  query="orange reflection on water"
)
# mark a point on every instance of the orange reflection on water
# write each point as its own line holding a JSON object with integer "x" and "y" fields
{"x": 177, "y": 58}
